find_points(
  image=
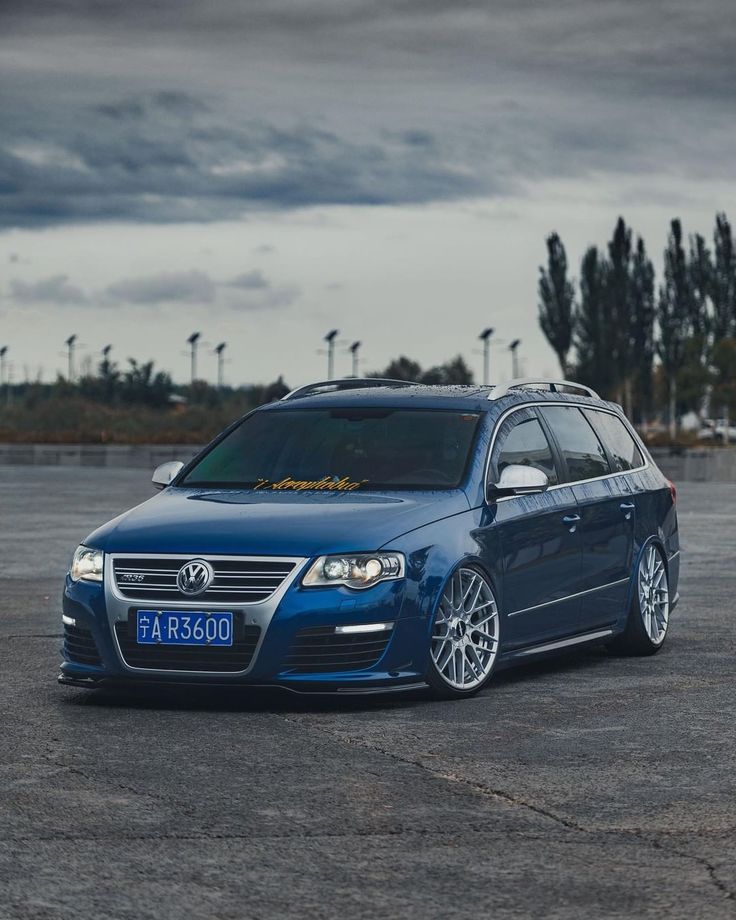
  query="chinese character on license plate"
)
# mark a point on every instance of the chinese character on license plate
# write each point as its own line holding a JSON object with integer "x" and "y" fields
{"x": 176, "y": 627}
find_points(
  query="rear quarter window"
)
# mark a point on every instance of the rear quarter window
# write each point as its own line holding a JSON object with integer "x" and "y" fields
{"x": 623, "y": 449}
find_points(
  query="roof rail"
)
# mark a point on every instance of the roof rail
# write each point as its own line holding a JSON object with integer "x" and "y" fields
{"x": 535, "y": 383}
{"x": 346, "y": 383}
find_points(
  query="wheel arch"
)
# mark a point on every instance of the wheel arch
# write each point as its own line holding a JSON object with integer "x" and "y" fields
{"x": 657, "y": 540}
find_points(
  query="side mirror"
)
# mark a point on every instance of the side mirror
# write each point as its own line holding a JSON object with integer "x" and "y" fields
{"x": 166, "y": 472}
{"x": 516, "y": 479}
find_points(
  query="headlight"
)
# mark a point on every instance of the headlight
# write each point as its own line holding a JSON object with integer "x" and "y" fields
{"x": 86, "y": 564}
{"x": 355, "y": 571}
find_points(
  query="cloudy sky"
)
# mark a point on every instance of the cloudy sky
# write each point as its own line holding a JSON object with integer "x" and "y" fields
{"x": 265, "y": 170}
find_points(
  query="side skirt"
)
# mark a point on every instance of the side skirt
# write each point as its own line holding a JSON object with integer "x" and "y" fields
{"x": 558, "y": 645}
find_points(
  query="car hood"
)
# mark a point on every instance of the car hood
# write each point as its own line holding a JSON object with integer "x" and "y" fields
{"x": 246, "y": 522}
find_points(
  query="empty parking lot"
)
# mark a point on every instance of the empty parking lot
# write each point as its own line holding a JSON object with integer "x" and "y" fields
{"x": 587, "y": 786}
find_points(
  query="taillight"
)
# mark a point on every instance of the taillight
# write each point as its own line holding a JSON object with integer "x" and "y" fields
{"x": 673, "y": 491}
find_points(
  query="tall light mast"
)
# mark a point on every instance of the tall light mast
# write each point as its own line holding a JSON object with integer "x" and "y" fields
{"x": 70, "y": 342}
{"x": 513, "y": 348}
{"x": 192, "y": 341}
{"x": 485, "y": 337}
{"x": 354, "y": 348}
{"x": 330, "y": 339}
{"x": 220, "y": 352}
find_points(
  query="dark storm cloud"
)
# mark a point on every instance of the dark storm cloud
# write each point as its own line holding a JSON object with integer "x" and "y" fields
{"x": 167, "y": 157}
{"x": 57, "y": 290}
{"x": 178, "y": 110}
{"x": 165, "y": 287}
{"x": 248, "y": 291}
{"x": 249, "y": 281}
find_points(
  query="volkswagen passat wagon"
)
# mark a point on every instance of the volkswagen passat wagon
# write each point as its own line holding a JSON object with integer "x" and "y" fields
{"x": 363, "y": 536}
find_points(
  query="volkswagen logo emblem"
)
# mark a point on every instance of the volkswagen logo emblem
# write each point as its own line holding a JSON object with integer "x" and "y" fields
{"x": 195, "y": 577}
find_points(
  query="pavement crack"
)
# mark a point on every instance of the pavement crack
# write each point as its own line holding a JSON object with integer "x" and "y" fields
{"x": 90, "y": 778}
{"x": 474, "y": 785}
{"x": 500, "y": 795}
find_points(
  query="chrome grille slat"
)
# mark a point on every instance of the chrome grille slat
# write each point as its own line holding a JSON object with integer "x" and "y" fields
{"x": 250, "y": 580}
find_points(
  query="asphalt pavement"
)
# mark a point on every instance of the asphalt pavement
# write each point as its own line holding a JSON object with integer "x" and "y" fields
{"x": 585, "y": 787}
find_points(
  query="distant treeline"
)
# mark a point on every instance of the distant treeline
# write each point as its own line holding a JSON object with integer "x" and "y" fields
{"x": 667, "y": 347}
{"x": 139, "y": 404}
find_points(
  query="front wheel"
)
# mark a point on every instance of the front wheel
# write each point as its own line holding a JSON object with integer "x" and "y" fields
{"x": 465, "y": 636}
{"x": 649, "y": 616}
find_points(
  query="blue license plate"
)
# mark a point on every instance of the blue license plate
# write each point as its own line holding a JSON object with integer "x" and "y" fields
{"x": 176, "y": 627}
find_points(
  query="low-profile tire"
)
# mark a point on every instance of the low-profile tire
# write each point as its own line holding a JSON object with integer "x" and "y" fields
{"x": 465, "y": 636}
{"x": 649, "y": 614}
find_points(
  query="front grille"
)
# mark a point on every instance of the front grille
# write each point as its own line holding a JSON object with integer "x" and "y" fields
{"x": 222, "y": 658}
{"x": 80, "y": 646}
{"x": 319, "y": 649}
{"x": 236, "y": 581}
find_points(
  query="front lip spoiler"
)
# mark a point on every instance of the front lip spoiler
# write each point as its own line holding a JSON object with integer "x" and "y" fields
{"x": 111, "y": 683}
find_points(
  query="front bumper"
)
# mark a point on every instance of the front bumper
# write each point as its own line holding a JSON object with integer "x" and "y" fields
{"x": 400, "y": 665}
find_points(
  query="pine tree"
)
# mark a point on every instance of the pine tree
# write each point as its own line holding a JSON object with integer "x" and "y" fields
{"x": 557, "y": 301}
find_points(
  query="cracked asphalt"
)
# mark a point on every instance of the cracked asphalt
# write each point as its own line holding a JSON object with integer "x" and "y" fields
{"x": 589, "y": 786}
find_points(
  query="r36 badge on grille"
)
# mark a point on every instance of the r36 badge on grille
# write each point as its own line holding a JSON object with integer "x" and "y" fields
{"x": 195, "y": 577}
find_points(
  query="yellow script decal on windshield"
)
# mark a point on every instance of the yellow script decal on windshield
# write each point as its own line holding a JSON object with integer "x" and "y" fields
{"x": 326, "y": 483}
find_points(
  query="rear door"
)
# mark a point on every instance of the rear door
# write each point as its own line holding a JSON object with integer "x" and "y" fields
{"x": 607, "y": 510}
{"x": 539, "y": 537}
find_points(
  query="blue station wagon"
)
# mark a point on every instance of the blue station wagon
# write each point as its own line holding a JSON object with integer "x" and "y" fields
{"x": 374, "y": 535}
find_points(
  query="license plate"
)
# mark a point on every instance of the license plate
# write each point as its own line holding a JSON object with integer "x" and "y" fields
{"x": 174, "y": 627}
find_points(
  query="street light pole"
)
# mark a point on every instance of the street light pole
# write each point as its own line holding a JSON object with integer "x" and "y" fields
{"x": 3, "y": 352}
{"x": 70, "y": 356}
{"x": 354, "y": 352}
{"x": 485, "y": 337}
{"x": 513, "y": 347}
{"x": 219, "y": 351}
{"x": 192, "y": 342}
{"x": 330, "y": 339}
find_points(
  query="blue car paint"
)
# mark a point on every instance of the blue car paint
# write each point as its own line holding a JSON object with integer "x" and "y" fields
{"x": 542, "y": 570}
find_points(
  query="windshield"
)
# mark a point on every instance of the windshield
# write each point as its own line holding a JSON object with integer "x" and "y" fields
{"x": 341, "y": 450}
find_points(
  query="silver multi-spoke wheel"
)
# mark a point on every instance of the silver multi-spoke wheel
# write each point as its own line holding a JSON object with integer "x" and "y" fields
{"x": 654, "y": 595}
{"x": 465, "y": 634}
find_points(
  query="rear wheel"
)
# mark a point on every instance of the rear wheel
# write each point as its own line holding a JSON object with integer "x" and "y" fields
{"x": 465, "y": 636}
{"x": 646, "y": 628}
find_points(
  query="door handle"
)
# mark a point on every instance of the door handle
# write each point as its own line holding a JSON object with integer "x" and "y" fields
{"x": 627, "y": 508}
{"x": 571, "y": 521}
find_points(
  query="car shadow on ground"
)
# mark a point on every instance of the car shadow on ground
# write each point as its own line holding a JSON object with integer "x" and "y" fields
{"x": 278, "y": 700}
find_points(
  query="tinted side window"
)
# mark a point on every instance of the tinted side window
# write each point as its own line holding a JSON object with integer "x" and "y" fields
{"x": 583, "y": 452}
{"x": 526, "y": 444}
{"x": 614, "y": 434}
